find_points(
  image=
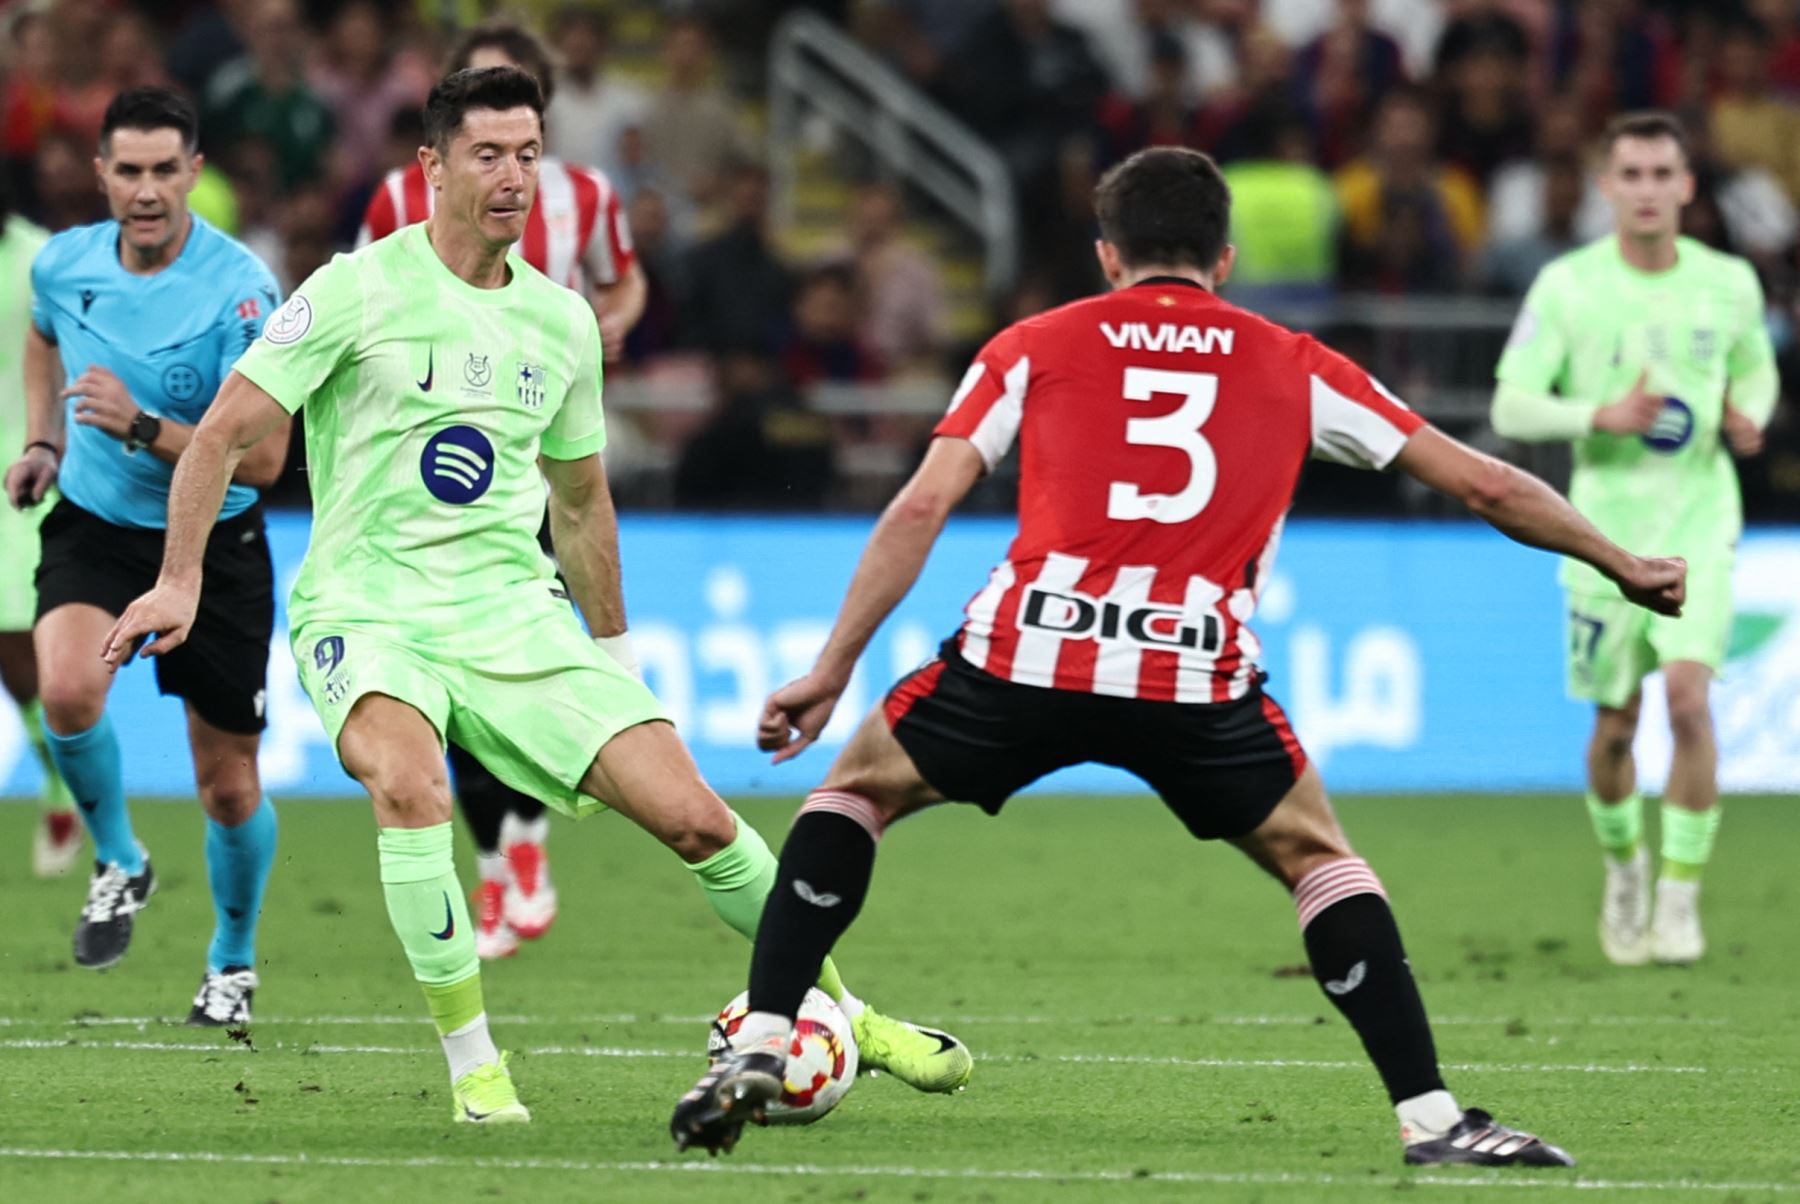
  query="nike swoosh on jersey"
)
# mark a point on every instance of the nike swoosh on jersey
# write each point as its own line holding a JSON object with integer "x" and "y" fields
{"x": 425, "y": 385}
{"x": 449, "y": 922}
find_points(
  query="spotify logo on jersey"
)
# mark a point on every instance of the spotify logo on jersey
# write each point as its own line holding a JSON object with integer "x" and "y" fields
{"x": 1673, "y": 427}
{"x": 458, "y": 465}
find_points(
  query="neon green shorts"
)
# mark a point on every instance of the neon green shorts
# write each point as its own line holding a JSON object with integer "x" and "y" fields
{"x": 18, "y": 563}
{"x": 1613, "y": 645}
{"x": 534, "y": 700}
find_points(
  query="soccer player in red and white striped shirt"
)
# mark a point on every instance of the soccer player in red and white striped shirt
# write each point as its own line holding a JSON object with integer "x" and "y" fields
{"x": 1161, "y": 436}
{"x": 577, "y": 235}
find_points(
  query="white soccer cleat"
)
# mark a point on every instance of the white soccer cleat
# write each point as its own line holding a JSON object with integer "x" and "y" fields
{"x": 1625, "y": 911}
{"x": 1675, "y": 937}
{"x": 56, "y": 844}
{"x": 530, "y": 896}
{"x": 494, "y": 937}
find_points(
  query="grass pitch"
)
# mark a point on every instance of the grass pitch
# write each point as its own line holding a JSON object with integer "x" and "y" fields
{"x": 1143, "y": 1024}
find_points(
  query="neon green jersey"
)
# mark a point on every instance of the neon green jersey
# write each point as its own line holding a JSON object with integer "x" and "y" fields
{"x": 20, "y": 241}
{"x": 1591, "y": 323}
{"x": 428, "y": 402}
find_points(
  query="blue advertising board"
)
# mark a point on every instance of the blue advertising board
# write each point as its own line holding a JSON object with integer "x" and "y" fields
{"x": 1411, "y": 657}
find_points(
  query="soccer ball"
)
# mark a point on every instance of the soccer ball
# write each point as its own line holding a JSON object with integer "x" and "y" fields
{"x": 821, "y": 1057}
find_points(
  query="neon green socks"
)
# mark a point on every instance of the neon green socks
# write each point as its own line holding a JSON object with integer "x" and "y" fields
{"x": 1687, "y": 840}
{"x": 737, "y": 880}
{"x": 1619, "y": 826}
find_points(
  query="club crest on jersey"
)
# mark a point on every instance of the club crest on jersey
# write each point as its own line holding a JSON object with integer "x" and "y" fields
{"x": 1704, "y": 344}
{"x": 291, "y": 322}
{"x": 478, "y": 371}
{"x": 1672, "y": 428}
{"x": 458, "y": 465}
{"x": 1076, "y": 617}
{"x": 181, "y": 382}
{"x": 531, "y": 386}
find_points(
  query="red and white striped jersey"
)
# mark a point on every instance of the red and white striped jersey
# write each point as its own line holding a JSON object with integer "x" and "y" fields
{"x": 575, "y": 234}
{"x": 1161, "y": 436}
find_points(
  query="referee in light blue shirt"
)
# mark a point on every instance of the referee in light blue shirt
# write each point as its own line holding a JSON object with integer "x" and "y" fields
{"x": 135, "y": 323}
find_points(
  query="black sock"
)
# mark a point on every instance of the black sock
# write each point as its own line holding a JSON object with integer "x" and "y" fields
{"x": 823, "y": 878}
{"x": 484, "y": 799}
{"x": 1356, "y": 955}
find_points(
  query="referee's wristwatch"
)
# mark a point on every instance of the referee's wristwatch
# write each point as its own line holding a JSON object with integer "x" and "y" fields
{"x": 143, "y": 431}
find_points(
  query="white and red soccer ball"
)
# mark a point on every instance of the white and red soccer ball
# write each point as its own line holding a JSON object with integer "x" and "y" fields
{"x": 821, "y": 1062}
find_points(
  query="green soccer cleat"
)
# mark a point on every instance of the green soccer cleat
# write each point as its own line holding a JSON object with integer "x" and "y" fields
{"x": 486, "y": 1096}
{"x": 920, "y": 1057}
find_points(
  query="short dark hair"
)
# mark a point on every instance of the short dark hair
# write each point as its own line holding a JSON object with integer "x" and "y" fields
{"x": 497, "y": 88}
{"x": 516, "y": 42}
{"x": 1649, "y": 123}
{"x": 1165, "y": 205}
{"x": 151, "y": 109}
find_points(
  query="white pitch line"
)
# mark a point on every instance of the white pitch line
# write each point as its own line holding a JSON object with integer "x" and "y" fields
{"x": 614, "y": 1051}
{"x": 1295, "y": 1021}
{"x": 813, "y": 1170}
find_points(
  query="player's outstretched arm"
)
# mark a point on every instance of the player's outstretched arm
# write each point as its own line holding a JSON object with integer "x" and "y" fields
{"x": 584, "y": 530}
{"x": 241, "y": 416}
{"x": 1522, "y": 507}
{"x": 890, "y": 564}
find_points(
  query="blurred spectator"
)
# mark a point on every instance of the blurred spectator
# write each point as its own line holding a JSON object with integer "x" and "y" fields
{"x": 263, "y": 94}
{"x": 1751, "y": 126}
{"x": 1410, "y": 221}
{"x": 762, "y": 449}
{"x": 210, "y": 37}
{"x": 1611, "y": 56}
{"x": 1486, "y": 115}
{"x": 1509, "y": 265}
{"x": 1516, "y": 196}
{"x": 1026, "y": 83}
{"x": 28, "y": 107}
{"x": 736, "y": 290}
{"x": 825, "y": 344}
{"x": 902, "y": 293}
{"x": 63, "y": 184}
{"x": 1265, "y": 87}
{"x": 690, "y": 128}
{"x": 1781, "y": 18}
{"x": 1481, "y": 24}
{"x": 1124, "y": 36}
{"x": 592, "y": 111}
{"x": 1163, "y": 116}
{"x": 1413, "y": 25}
{"x": 1283, "y": 216}
{"x": 1342, "y": 74}
{"x": 365, "y": 78}
{"x": 657, "y": 330}
{"x": 125, "y": 56}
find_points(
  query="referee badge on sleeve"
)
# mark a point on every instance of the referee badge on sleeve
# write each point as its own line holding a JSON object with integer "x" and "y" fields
{"x": 531, "y": 386}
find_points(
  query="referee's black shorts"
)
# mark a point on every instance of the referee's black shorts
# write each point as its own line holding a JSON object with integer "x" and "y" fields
{"x": 1220, "y": 767}
{"x": 222, "y": 670}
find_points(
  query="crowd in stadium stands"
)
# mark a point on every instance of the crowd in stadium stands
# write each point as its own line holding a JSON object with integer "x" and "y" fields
{"x": 1399, "y": 147}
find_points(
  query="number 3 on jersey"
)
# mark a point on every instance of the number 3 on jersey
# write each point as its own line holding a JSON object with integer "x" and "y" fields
{"x": 1178, "y": 429}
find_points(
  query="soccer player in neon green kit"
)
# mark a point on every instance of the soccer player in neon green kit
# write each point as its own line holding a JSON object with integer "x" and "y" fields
{"x": 1647, "y": 351}
{"x": 445, "y": 381}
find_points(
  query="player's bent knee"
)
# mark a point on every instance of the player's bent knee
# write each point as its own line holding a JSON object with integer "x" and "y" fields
{"x": 700, "y": 835}
{"x": 71, "y": 707}
{"x": 408, "y": 796}
{"x": 231, "y": 800}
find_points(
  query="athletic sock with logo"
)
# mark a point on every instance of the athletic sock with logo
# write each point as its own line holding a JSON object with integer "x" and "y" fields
{"x": 737, "y": 880}
{"x": 89, "y": 762}
{"x": 237, "y": 869}
{"x": 426, "y": 906}
{"x": 823, "y": 878}
{"x": 1355, "y": 951}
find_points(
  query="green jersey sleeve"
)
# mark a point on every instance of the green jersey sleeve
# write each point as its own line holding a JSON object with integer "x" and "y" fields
{"x": 1537, "y": 351}
{"x": 579, "y": 428}
{"x": 1750, "y": 363}
{"x": 308, "y": 338}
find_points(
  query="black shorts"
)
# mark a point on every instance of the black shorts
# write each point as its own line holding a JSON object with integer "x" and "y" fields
{"x": 1220, "y": 767}
{"x": 223, "y": 668}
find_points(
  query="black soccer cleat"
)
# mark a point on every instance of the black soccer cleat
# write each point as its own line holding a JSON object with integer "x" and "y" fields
{"x": 224, "y": 998}
{"x": 114, "y": 898}
{"x": 1478, "y": 1141}
{"x": 734, "y": 1090}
